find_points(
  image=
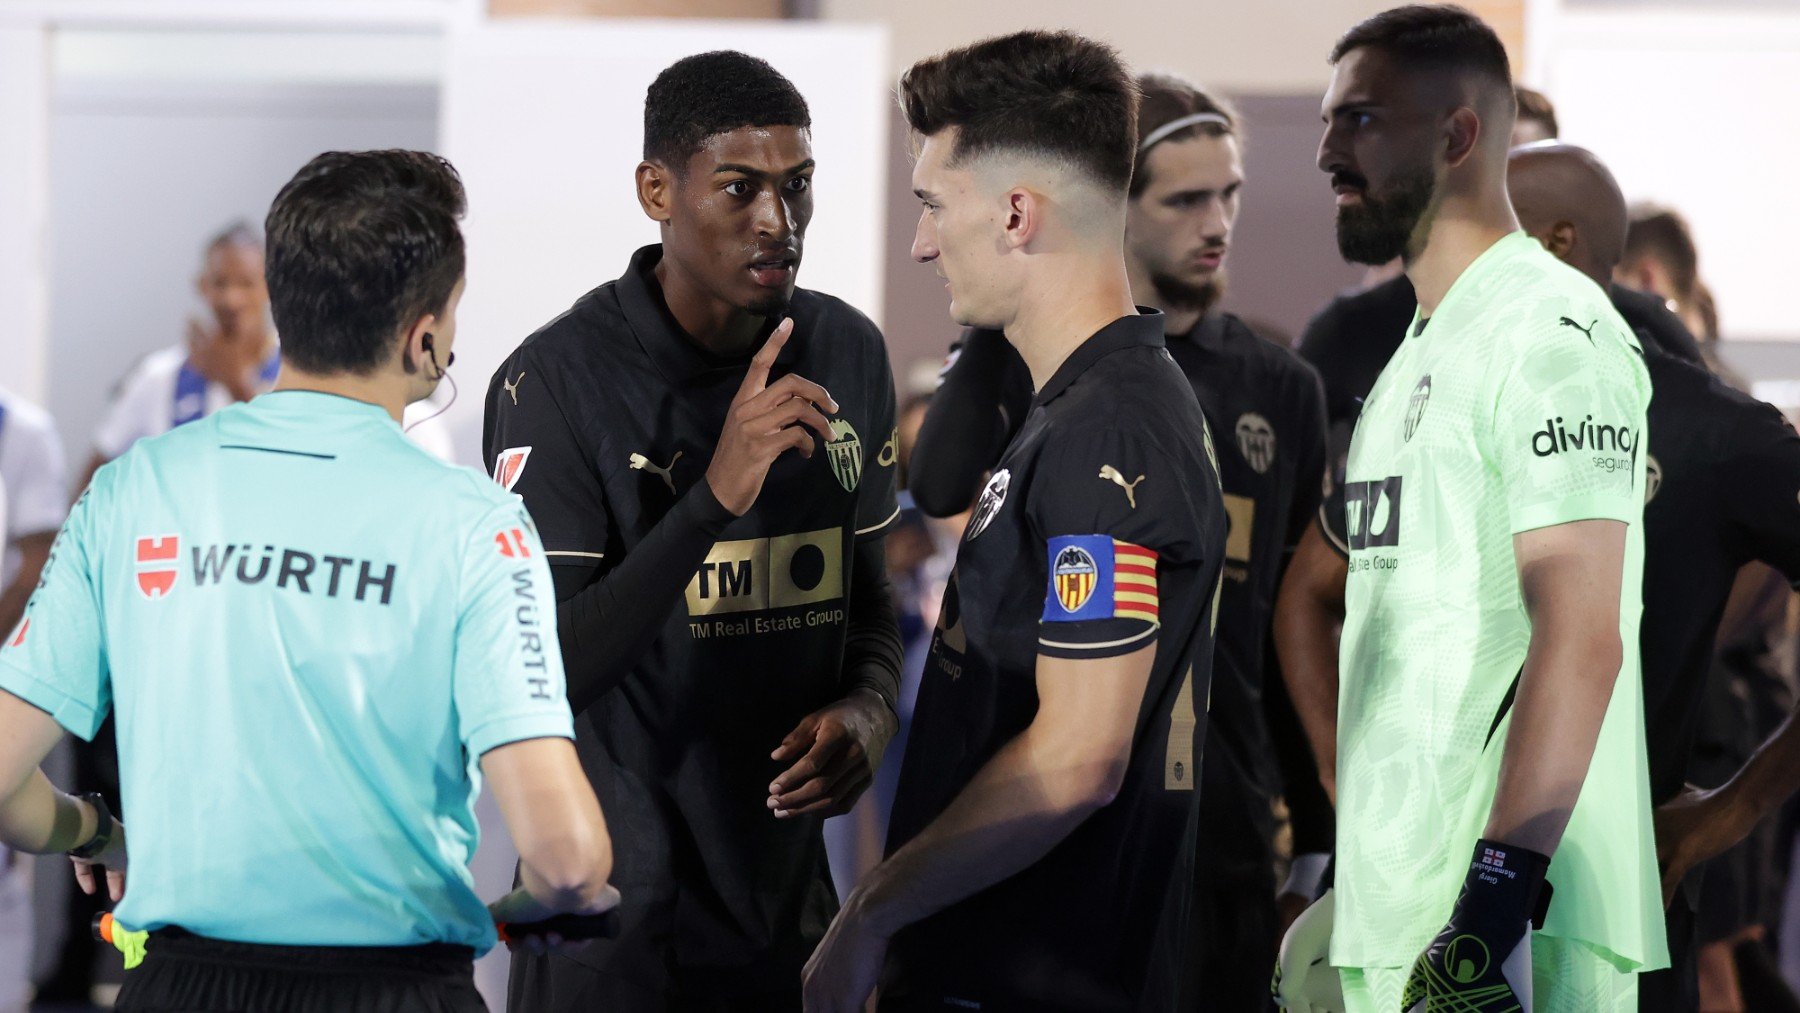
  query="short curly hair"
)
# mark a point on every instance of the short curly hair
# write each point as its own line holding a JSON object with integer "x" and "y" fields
{"x": 706, "y": 94}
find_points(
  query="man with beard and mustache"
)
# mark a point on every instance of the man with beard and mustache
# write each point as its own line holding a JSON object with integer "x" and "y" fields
{"x": 708, "y": 452}
{"x": 1490, "y": 699}
{"x": 1268, "y": 408}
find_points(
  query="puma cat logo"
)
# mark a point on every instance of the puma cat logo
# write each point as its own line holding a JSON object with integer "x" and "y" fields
{"x": 641, "y": 463}
{"x": 512, "y": 387}
{"x": 1111, "y": 474}
{"x": 1588, "y": 330}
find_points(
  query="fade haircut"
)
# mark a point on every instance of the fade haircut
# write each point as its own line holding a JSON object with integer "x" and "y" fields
{"x": 361, "y": 244}
{"x": 1536, "y": 107}
{"x": 707, "y": 94}
{"x": 1053, "y": 95}
{"x": 1435, "y": 37}
{"x": 1663, "y": 235}
{"x": 1164, "y": 99}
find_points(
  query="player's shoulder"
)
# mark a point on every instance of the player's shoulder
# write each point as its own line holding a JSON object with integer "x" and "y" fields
{"x": 587, "y": 331}
{"x": 1350, "y": 314}
{"x": 826, "y": 314}
{"x": 24, "y": 417}
{"x": 1280, "y": 361}
{"x": 157, "y": 367}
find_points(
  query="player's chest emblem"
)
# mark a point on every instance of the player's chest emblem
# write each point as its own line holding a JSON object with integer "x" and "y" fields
{"x": 993, "y": 496}
{"x": 1415, "y": 406}
{"x": 845, "y": 454}
{"x": 1652, "y": 477}
{"x": 641, "y": 463}
{"x": 1256, "y": 441}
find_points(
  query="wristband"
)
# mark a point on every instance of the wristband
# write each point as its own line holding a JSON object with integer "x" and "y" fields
{"x": 103, "y": 831}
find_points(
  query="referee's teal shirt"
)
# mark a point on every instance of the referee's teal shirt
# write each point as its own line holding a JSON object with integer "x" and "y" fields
{"x": 309, "y": 631}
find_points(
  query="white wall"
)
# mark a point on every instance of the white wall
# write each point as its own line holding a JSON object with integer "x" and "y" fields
{"x": 1237, "y": 47}
{"x": 1694, "y": 108}
{"x": 544, "y": 119}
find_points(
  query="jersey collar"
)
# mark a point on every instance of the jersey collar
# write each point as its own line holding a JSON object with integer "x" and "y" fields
{"x": 1144, "y": 329}
{"x": 678, "y": 357}
{"x": 1207, "y": 333}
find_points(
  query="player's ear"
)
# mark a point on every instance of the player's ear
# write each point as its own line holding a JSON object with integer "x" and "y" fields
{"x": 1023, "y": 217}
{"x": 656, "y": 191}
{"x": 1561, "y": 239}
{"x": 1462, "y": 131}
{"x": 413, "y": 353}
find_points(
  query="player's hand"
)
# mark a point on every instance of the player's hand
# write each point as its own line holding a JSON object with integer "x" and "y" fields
{"x": 1482, "y": 958}
{"x": 232, "y": 362}
{"x": 519, "y": 907}
{"x": 1305, "y": 981}
{"x": 834, "y": 752}
{"x": 842, "y": 973}
{"x": 766, "y": 420}
{"x": 1692, "y": 827}
{"x": 107, "y": 866}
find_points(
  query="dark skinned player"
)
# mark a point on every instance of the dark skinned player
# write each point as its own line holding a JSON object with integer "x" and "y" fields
{"x": 707, "y": 451}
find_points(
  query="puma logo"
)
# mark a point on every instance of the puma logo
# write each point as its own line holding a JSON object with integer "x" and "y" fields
{"x": 641, "y": 463}
{"x": 1588, "y": 330}
{"x": 512, "y": 387}
{"x": 1111, "y": 474}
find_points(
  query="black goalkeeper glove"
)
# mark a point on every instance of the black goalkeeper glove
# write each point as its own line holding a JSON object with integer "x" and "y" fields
{"x": 1481, "y": 961}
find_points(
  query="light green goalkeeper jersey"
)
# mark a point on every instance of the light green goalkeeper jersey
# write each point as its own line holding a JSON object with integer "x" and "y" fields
{"x": 1518, "y": 405}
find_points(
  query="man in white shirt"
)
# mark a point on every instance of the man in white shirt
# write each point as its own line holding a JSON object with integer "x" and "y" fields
{"x": 36, "y": 482}
{"x": 230, "y": 358}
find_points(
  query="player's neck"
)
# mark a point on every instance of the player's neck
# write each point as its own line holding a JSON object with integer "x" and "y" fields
{"x": 1177, "y": 318}
{"x": 1464, "y": 229}
{"x": 1062, "y": 309}
{"x": 715, "y": 325}
{"x": 389, "y": 393}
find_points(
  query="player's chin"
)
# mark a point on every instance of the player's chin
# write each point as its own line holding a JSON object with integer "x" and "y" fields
{"x": 768, "y": 302}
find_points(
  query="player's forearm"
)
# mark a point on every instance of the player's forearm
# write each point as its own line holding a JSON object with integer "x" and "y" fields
{"x": 38, "y": 819}
{"x": 1023, "y": 802}
{"x": 965, "y": 429}
{"x": 1306, "y": 639}
{"x": 1770, "y": 777}
{"x": 1564, "y": 688}
{"x": 872, "y": 648}
{"x": 606, "y": 627}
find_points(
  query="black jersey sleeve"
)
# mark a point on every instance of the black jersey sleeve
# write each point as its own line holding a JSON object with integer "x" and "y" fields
{"x": 872, "y": 648}
{"x": 1313, "y": 454}
{"x": 608, "y": 610}
{"x": 1332, "y": 520}
{"x": 1759, "y": 488}
{"x": 981, "y": 400}
{"x": 878, "y": 496}
{"x": 1113, "y": 513}
{"x": 530, "y": 448}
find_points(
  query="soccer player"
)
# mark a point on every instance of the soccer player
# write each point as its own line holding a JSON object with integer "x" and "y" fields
{"x": 709, "y": 452}
{"x": 1725, "y": 469}
{"x": 1354, "y": 336}
{"x": 1490, "y": 698}
{"x": 1183, "y": 201}
{"x": 1036, "y": 846}
{"x": 316, "y": 640}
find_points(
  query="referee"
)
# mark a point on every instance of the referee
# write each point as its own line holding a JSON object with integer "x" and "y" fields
{"x": 1037, "y": 856}
{"x": 316, "y": 639}
{"x": 1491, "y": 703}
{"x": 709, "y": 452}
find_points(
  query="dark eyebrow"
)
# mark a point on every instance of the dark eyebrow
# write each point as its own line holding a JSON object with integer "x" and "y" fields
{"x": 924, "y": 194}
{"x": 758, "y": 173}
{"x": 1349, "y": 107}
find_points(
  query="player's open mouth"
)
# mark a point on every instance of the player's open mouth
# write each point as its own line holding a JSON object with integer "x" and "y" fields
{"x": 1347, "y": 194}
{"x": 774, "y": 272}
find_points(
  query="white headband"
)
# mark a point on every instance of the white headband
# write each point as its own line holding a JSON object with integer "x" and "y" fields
{"x": 1157, "y": 135}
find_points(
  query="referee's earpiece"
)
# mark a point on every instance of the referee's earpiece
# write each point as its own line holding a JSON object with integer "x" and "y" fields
{"x": 425, "y": 342}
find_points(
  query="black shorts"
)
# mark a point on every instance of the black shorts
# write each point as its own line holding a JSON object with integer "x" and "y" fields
{"x": 185, "y": 973}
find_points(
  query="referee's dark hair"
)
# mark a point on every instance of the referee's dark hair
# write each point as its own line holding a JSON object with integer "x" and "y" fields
{"x": 361, "y": 244}
{"x": 1055, "y": 95}
{"x": 1165, "y": 99}
{"x": 699, "y": 96}
{"x": 1435, "y": 37}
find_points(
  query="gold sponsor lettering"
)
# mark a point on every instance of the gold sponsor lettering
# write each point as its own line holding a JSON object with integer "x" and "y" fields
{"x": 1240, "y": 514}
{"x": 1178, "y": 754}
{"x": 756, "y": 574}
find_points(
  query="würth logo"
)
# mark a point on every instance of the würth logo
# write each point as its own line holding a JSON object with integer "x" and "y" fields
{"x": 156, "y": 565}
{"x": 512, "y": 544}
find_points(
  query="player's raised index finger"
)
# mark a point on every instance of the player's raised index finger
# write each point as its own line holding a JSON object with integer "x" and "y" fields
{"x": 764, "y": 360}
